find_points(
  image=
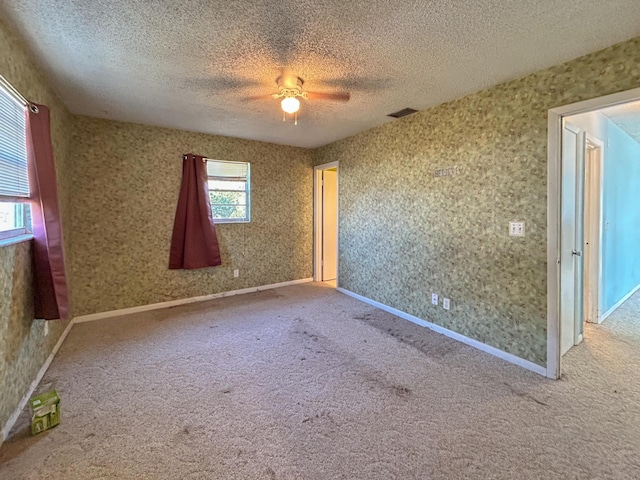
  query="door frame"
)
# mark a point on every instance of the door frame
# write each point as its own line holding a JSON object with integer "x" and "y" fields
{"x": 317, "y": 217}
{"x": 554, "y": 196}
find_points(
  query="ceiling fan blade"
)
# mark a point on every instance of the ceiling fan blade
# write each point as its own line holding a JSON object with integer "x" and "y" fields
{"x": 261, "y": 97}
{"x": 336, "y": 97}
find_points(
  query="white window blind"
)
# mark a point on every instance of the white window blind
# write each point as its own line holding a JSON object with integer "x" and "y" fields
{"x": 14, "y": 178}
{"x": 227, "y": 170}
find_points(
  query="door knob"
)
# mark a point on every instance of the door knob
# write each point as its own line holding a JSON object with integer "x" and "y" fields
{"x": 576, "y": 253}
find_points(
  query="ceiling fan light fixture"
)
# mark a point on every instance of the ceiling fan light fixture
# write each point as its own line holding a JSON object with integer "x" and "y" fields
{"x": 290, "y": 104}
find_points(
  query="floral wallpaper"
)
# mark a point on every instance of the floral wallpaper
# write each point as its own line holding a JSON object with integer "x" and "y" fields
{"x": 23, "y": 345}
{"x": 425, "y": 203}
{"x": 124, "y": 187}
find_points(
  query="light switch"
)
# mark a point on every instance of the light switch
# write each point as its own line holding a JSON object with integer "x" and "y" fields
{"x": 516, "y": 229}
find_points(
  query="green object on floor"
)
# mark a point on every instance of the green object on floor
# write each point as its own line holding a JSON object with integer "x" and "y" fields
{"x": 45, "y": 409}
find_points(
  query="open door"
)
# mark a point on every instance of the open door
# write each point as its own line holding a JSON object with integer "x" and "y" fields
{"x": 592, "y": 229}
{"x": 326, "y": 223}
{"x": 571, "y": 239}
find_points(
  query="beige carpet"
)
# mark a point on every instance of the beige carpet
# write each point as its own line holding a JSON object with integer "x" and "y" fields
{"x": 306, "y": 383}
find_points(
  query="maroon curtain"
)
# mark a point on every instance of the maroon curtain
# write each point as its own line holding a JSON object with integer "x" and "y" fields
{"x": 51, "y": 295}
{"x": 194, "y": 243}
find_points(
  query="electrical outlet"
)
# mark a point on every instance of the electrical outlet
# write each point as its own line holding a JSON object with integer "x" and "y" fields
{"x": 516, "y": 229}
{"x": 434, "y": 298}
{"x": 446, "y": 303}
{"x": 46, "y": 328}
{"x": 236, "y": 273}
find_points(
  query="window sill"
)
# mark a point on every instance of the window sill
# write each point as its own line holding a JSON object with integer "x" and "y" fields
{"x": 5, "y": 242}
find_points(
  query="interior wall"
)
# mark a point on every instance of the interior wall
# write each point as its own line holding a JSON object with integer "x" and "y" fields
{"x": 621, "y": 217}
{"x": 126, "y": 179}
{"x": 425, "y": 203}
{"x": 23, "y": 345}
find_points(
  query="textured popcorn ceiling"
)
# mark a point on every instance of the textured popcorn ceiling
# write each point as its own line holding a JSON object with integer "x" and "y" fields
{"x": 190, "y": 64}
{"x": 627, "y": 117}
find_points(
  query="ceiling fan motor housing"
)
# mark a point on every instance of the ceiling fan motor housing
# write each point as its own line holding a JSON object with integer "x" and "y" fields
{"x": 290, "y": 86}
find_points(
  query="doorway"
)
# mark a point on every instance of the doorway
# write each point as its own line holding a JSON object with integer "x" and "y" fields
{"x": 326, "y": 223}
{"x": 580, "y": 226}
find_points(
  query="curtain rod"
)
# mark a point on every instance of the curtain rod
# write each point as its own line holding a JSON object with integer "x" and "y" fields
{"x": 15, "y": 93}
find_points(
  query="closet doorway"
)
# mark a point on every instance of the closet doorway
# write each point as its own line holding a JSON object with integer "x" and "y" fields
{"x": 326, "y": 223}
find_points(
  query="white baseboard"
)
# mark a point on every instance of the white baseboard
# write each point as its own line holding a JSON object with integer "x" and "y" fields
{"x": 14, "y": 417}
{"x": 521, "y": 362}
{"x": 184, "y": 301}
{"x": 618, "y": 304}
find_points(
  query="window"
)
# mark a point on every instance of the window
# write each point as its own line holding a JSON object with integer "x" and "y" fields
{"x": 14, "y": 178}
{"x": 229, "y": 190}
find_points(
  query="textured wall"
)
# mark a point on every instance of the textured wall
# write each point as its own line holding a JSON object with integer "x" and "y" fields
{"x": 405, "y": 233}
{"x": 19, "y": 335}
{"x": 126, "y": 179}
{"x": 23, "y": 346}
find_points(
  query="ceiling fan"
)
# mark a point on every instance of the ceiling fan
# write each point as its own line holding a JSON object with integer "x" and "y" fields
{"x": 290, "y": 89}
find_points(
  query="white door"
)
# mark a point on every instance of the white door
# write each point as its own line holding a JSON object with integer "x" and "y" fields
{"x": 330, "y": 225}
{"x": 571, "y": 239}
{"x": 592, "y": 229}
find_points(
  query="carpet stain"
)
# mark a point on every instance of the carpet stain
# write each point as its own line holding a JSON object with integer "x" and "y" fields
{"x": 401, "y": 391}
{"x": 322, "y": 416}
{"x": 525, "y": 395}
{"x": 365, "y": 317}
{"x": 312, "y": 336}
{"x": 313, "y": 342}
{"x": 424, "y": 340}
{"x": 271, "y": 473}
{"x": 378, "y": 381}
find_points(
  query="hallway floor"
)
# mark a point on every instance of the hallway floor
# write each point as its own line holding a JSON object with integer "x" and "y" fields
{"x": 610, "y": 350}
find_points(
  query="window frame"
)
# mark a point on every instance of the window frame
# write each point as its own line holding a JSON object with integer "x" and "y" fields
{"x": 246, "y": 191}
{"x": 22, "y": 230}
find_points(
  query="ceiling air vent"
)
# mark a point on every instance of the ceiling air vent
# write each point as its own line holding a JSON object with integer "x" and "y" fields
{"x": 402, "y": 113}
